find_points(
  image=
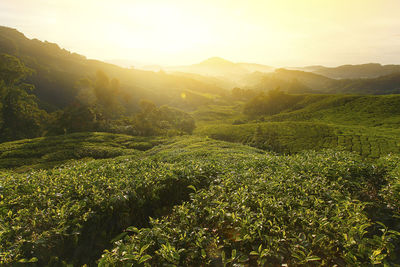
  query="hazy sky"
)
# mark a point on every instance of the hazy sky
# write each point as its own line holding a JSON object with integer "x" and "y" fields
{"x": 173, "y": 32}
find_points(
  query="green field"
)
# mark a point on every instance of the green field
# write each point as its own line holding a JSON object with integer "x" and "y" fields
{"x": 238, "y": 205}
{"x": 49, "y": 151}
{"x": 367, "y": 125}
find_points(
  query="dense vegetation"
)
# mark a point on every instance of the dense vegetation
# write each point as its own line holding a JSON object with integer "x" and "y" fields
{"x": 46, "y": 152}
{"x": 312, "y": 208}
{"x": 72, "y": 213}
{"x": 308, "y": 209}
{"x": 99, "y": 105}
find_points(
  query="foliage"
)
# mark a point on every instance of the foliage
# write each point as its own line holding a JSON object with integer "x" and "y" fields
{"x": 161, "y": 121}
{"x": 71, "y": 213}
{"x": 268, "y": 210}
{"x": 371, "y": 111}
{"x": 272, "y": 103}
{"x": 20, "y": 115}
{"x": 390, "y": 192}
{"x": 46, "y": 152}
{"x": 12, "y": 70}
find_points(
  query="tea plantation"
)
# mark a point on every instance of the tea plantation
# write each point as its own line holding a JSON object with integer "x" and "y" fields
{"x": 317, "y": 184}
{"x": 46, "y": 152}
{"x": 197, "y": 201}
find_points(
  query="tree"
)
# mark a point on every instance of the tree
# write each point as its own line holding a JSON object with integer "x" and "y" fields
{"x": 101, "y": 94}
{"x": 12, "y": 70}
{"x": 20, "y": 115}
{"x": 272, "y": 103}
{"x": 159, "y": 121}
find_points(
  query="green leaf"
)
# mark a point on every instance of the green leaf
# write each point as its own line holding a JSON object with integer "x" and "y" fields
{"x": 312, "y": 258}
{"x": 192, "y": 187}
{"x": 144, "y": 258}
{"x": 118, "y": 237}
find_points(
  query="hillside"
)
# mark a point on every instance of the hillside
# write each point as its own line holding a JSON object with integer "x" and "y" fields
{"x": 293, "y": 81}
{"x": 57, "y": 71}
{"x": 296, "y": 81}
{"x": 371, "y": 70}
{"x": 351, "y": 110}
{"x": 388, "y": 84}
{"x": 367, "y": 125}
{"x": 222, "y": 68}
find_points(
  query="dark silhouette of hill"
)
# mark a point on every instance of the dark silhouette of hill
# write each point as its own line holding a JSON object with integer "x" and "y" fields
{"x": 222, "y": 68}
{"x": 296, "y": 81}
{"x": 370, "y": 70}
{"x": 388, "y": 84}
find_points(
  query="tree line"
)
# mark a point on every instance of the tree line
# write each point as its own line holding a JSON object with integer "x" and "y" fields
{"x": 99, "y": 105}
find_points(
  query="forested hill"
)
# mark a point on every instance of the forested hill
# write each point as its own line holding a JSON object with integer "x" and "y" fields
{"x": 371, "y": 70}
{"x": 57, "y": 70}
{"x": 296, "y": 81}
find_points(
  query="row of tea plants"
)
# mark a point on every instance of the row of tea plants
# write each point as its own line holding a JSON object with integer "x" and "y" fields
{"x": 310, "y": 209}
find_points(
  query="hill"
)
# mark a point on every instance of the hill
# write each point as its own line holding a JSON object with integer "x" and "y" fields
{"x": 57, "y": 71}
{"x": 371, "y": 70}
{"x": 351, "y": 110}
{"x": 388, "y": 84}
{"x": 222, "y": 68}
{"x": 296, "y": 81}
{"x": 293, "y": 81}
{"x": 367, "y": 125}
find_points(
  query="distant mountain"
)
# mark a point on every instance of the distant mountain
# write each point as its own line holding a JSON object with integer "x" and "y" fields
{"x": 125, "y": 63}
{"x": 252, "y": 67}
{"x": 371, "y": 70}
{"x": 219, "y": 67}
{"x": 388, "y": 84}
{"x": 132, "y": 64}
{"x": 295, "y": 81}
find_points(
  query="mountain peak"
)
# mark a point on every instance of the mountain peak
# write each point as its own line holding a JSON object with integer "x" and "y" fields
{"x": 216, "y": 61}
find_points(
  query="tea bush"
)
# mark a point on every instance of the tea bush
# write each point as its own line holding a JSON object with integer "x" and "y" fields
{"x": 70, "y": 213}
{"x": 271, "y": 210}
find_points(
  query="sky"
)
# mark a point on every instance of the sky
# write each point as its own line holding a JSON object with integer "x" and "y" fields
{"x": 180, "y": 32}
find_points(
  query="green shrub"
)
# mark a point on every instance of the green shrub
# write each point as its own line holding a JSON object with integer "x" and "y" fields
{"x": 273, "y": 210}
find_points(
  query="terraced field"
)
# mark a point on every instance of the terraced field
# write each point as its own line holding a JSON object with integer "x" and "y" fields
{"x": 367, "y": 125}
